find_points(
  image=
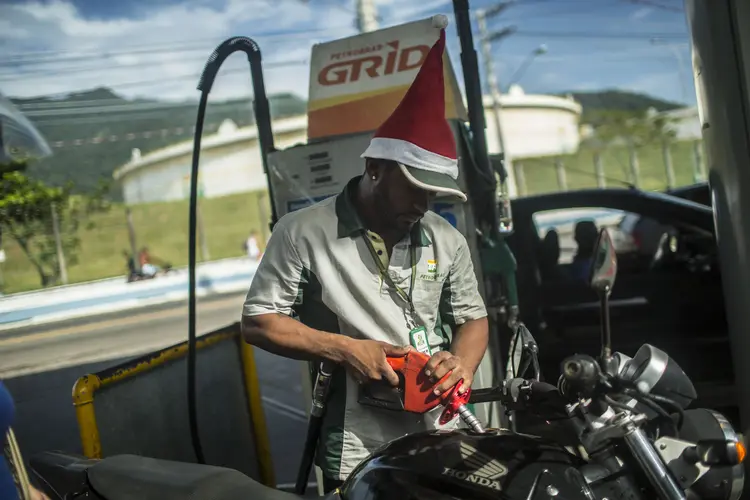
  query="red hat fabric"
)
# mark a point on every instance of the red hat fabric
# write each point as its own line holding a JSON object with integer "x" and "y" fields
{"x": 416, "y": 135}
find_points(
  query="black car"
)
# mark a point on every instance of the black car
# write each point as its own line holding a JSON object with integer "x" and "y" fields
{"x": 670, "y": 296}
{"x": 699, "y": 193}
{"x": 637, "y": 234}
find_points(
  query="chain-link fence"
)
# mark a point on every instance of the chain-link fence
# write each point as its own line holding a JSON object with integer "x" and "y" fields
{"x": 649, "y": 167}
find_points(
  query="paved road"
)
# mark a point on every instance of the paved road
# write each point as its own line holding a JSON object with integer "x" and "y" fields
{"x": 40, "y": 365}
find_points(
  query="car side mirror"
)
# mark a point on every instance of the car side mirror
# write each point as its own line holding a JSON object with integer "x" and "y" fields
{"x": 602, "y": 279}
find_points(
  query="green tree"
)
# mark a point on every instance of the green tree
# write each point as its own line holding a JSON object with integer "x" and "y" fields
{"x": 617, "y": 127}
{"x": 26, "y": 207}
{"x": 662, "y": 132}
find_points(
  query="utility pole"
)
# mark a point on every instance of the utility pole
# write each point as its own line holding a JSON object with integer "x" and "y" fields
{"x": 486, "y": 38}
{"x": 132, "y": 240}
{"x": 58, "y": 246}
{"x": 367, "y": 16}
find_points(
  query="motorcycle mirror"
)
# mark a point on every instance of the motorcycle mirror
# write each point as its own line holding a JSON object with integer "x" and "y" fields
{"x": 523, "y": 354}
{"x": 604, "y": 266}
{"x": 602, "y": 279}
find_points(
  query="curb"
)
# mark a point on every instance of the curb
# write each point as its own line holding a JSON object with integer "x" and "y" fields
{"x": 125, "y": 305}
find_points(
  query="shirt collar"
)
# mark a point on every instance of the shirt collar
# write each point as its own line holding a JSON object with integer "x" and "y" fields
{"x": 350, "y": 223}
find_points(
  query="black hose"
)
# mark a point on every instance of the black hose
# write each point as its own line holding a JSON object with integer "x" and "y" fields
{"x": 265, "y": 139}
{"x": 192, "y": 404}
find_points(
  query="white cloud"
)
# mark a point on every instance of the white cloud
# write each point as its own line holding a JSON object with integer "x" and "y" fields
{"x": 160, "y": 54}
{"x": 641, "y": 13}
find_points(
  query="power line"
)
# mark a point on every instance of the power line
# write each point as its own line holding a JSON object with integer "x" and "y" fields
{"x": 651, "y": 3}
{"x": 591, "y": 35}
{"x": 171, "y": 47}
{"x": 172, "y": 78}
{"x": 583, "y": 9}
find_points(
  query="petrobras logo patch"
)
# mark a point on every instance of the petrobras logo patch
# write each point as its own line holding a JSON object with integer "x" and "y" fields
{"x": 478, "y": 468}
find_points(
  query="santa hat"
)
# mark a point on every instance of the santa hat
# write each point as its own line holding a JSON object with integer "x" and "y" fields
{"x": 416, "y": 135}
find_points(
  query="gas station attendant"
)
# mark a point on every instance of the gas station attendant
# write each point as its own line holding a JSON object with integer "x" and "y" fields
{"x": 371, "y": 273}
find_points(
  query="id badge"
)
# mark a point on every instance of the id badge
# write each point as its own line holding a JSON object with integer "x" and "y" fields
{"x": 418, "y": 339}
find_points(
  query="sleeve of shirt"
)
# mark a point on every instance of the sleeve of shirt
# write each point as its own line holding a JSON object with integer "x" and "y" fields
{"x": 275, "y": 285}
{"x": 465, "y": 301}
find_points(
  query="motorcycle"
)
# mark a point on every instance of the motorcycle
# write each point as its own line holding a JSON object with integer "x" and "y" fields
{"x": 612, "y": 427}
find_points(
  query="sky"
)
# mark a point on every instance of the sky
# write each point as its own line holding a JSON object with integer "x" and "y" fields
{"x": 157, "y": 48}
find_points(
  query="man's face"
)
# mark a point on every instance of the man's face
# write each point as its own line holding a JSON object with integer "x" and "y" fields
{"x": 400, "y": 202}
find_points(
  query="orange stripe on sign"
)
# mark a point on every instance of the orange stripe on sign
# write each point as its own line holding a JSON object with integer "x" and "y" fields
{"x": 361, "y": 115}
{"x": 343, "y": 99}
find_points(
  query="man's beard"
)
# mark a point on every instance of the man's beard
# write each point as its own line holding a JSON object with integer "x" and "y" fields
{"x": 389, "y": 224}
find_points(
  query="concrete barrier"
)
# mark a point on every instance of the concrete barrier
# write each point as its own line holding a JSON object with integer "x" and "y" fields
{"x": 222, "y": 276}
{"x": 116, "y": 294}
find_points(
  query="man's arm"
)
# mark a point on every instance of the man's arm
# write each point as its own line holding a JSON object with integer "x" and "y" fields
{"x": 470, "y": 343}
{"x": 471, "y": 337}
{"x": 266, "y": 320}
{"x": 287, "y": 337}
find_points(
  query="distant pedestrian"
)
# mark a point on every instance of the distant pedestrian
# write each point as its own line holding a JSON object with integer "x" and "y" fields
{"x": 251, "y": 246}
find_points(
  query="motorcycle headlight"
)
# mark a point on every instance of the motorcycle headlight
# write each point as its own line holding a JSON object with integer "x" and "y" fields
{"x": 654, "y": 372}
{"x": 720, "y": 482}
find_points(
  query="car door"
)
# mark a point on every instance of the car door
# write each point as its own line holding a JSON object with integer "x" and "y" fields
{"x": 678, "y": 307}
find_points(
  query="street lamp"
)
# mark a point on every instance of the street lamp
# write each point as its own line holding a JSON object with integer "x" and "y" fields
{"x": 542, "y": 49}
{"x": 486, "y": 38}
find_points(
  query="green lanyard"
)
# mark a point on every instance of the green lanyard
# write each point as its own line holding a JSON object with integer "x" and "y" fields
{"x": 384, "y": 272}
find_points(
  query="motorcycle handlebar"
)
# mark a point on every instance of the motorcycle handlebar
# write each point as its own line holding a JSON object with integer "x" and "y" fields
{"x": 521, "y": 394}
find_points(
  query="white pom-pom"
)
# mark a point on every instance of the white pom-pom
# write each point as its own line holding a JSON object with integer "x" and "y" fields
{"x": 440, "y": 21}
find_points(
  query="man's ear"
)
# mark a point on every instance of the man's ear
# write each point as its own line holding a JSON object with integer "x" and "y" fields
{"x": 373, "y": 168}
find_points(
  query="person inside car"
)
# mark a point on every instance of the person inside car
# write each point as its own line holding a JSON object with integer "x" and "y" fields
{"x": 549, "y": 256}
{"x": 585, "y": 235}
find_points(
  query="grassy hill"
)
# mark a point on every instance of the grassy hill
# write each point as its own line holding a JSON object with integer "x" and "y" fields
{"x": 163, "y": 226}
{"x": 93, "y": 132}
{"x": 98, "y": 130}
{"x": 618, "y": 100}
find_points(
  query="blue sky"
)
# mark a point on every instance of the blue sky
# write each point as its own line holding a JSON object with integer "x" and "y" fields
{"x": 156, "y": 48}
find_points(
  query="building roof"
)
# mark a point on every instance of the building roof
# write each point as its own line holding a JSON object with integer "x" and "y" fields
{"x": 517, "y": 98}
{"x": 228, "y": 133}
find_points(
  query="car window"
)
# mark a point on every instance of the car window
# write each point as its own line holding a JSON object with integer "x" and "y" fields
{"x": 564, "y": 221}
{"x": 567, "y": 237}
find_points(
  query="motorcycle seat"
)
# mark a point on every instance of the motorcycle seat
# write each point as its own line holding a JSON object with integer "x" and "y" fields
{"x": 131, "y": 477}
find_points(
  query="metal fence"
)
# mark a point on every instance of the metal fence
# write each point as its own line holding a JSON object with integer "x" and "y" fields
{"x": 140, "y": 407}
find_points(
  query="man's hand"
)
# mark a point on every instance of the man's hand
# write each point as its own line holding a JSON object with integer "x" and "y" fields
{"x": 35, "y": 494}
{"x": 442, "y": 363}
{"x": 365, "y": 360}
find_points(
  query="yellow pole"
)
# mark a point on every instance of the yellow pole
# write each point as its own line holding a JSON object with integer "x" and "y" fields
{"x": 83, "y": 401}
{"x": 255, "y": 404}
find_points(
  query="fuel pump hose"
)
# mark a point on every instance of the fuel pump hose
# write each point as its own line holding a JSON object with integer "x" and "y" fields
{"x": 265, "y": 139}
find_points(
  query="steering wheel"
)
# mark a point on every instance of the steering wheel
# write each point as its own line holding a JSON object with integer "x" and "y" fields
{"x": 664, "y": 252}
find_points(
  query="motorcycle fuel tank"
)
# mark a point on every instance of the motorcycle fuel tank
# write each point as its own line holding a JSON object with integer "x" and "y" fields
{"x": 460, "y": 464}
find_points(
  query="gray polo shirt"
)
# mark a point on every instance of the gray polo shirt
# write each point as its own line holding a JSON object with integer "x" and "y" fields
{"x": 318, "y": 268}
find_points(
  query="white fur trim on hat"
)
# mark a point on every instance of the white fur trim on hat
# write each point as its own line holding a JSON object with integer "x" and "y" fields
{"x": 411, "y": 155}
